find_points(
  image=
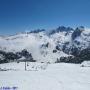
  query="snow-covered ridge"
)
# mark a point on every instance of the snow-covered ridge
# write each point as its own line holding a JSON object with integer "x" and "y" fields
{"x": 43, "y": 45}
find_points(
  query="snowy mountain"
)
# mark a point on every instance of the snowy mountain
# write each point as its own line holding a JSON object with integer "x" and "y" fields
{"x": 47, "y": 46}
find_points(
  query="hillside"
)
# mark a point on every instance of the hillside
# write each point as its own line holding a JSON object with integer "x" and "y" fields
{"x": 48, "y": 46}
{"x": 60, "y": 76}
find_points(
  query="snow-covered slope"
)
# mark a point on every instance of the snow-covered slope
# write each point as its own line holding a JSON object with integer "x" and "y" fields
{"x": 39, "y": 44}
{"x": 60, "y": 76}
{"x": 47, "y": 47}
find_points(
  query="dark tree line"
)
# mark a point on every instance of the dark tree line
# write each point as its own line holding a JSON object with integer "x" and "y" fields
{"x": 6, "y": 57}
{"x": 83, "y": 55}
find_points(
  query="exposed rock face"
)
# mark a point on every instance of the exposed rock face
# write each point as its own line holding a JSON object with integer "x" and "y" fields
{"x": 77, "y": 32}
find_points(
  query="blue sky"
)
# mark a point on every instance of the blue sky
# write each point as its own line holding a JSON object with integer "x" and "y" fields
{"x": 21, "y": 15}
